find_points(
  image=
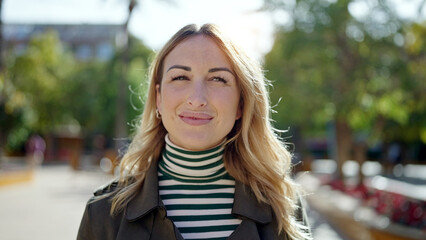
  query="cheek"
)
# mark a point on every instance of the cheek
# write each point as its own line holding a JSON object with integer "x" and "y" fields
{"x": 170, "y": 99}
{"x": 229, "y": 103}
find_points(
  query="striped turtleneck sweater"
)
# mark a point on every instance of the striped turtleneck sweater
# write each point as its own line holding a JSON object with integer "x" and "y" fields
{"x": 197, "y": 191}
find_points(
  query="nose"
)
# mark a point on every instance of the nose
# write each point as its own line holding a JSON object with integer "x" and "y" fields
{"x": 197, "y": 97}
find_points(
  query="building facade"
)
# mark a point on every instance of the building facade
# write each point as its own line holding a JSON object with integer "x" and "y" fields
{"x": 85, "y": 41}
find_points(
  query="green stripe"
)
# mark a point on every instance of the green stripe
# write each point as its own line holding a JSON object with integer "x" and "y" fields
{"x": 207, "y": 229}
{"x": 222, "y": 238}
{"x": 204, "y": 167}
{"x": 207, "y": 195}
{"x": 195, "y": 187}
{"x": 195, "y": 152}
{"x": 209, "y": 157}
{"x": 199, "y": 206}
{"x": 202, "y": 217}
{"x": 163, "y": 169}
{"x": 166, "y": 177}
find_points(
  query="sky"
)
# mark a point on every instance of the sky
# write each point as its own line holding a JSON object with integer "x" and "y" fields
{"x": 155, "y": 21}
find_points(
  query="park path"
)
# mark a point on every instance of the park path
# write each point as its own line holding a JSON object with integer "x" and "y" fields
{"x": 48, "y": 207}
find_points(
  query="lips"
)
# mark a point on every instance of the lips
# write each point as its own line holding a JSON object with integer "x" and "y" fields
{"x": 195, "y": 118}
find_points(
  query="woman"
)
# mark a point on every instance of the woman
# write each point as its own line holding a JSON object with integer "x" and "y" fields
{"x": 205, "y": 162}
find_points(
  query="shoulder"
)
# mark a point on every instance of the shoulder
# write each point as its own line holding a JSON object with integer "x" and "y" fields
{"x": 109, "y": 189}
{"x": 100, "y": 201}
{"x": 97, "y": 222}
{"x": 106, "y": 188}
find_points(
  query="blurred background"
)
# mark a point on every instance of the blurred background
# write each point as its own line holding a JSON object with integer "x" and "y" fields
{"x": 348, "y": 83}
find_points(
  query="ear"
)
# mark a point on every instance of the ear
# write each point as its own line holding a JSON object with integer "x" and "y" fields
{"x": 158, "y": 97}
{"x": 239, "y": 111}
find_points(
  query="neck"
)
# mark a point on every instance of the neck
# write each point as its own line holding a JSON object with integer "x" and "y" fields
{"x": 171, "y": 144}
{"x": 186, "y": 165}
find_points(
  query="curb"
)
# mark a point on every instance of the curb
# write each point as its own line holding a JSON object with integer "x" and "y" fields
{"x": 16, "y": 176}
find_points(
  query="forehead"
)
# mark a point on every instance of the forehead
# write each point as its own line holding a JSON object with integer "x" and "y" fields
{"x": 197, "y": 50}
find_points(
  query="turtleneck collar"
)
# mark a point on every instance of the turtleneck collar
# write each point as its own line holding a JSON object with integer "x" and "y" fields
{"x": 192, "y": 166}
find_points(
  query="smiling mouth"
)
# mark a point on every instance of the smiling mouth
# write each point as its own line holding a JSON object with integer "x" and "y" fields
{"x": 195, "y": 119}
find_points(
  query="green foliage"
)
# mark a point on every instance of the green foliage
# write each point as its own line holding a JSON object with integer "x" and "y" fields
{"x": 46, "y": 87}
{"x": 329, "y": 65}
{"x": 16, "y": 139}
{"x": 37, "y": 82}
{"x": 32, "y": 89}
{"x": 94, "y": 87}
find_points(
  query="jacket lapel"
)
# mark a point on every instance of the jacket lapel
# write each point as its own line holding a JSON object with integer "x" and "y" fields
{"x": 148, "y": 198}
{"x": 247, "y": 206}
{"x": 246, "y": 230}
{"x": 146, "y": 201}
{"x": 250, "y": 211}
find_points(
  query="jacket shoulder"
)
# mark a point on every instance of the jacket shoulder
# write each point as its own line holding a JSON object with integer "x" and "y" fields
{"x": 110, "y": 188}
{"x": 106, "y": 188}
{"x": 97, "y": 221}
{"x": 105, "y": 191}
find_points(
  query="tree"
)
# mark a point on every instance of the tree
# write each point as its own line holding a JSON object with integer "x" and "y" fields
{"x": 95, "y": 108}
{"x": 39, "y": 80}
{"x": 332, "y": 67}
{"x": 34, "y": 87}
{"x": 46, "y": 88}
{"x": 2, "y": 73}
{"x": 1, "y": 39}
{"x": 120, "y": 122}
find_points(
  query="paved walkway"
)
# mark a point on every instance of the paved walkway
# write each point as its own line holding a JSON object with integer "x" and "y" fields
{"x": 50, "y": 206}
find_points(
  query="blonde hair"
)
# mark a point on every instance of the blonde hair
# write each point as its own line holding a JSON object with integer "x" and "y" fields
{"x": 254, "y": 153}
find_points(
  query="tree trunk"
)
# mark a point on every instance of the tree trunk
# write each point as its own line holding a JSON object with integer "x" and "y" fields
{"x": 1, "y": 38}
{"x": 2, "y": 75}
{"x": 121, "y": 113}
{"x": 344, "y": 144}
{"x": 360, "y": 151}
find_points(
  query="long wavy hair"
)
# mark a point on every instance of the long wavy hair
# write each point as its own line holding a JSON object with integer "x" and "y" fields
{"x": 254, "y": 153}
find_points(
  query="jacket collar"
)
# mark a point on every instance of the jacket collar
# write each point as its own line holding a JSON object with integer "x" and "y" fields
{"x": 245, "y": 205}
{"x": 147, "y": 199}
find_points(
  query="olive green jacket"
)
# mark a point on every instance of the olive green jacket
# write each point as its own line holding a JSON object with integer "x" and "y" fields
{"x": 145, "y": 216}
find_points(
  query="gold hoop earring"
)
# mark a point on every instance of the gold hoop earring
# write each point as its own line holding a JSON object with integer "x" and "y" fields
{"x": 157, "y": 114}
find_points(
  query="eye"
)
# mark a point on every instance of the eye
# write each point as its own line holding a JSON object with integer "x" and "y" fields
{"x": 182, "y": 77}
{"x": 219, "y": 79}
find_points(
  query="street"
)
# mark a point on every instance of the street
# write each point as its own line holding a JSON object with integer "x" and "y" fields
{"x": 51, "y": 205}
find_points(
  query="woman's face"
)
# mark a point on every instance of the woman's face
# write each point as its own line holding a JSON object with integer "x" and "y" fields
{"x": 199, "y": 95}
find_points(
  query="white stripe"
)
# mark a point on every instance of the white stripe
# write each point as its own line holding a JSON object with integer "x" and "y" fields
{"x": 196, "y": 192}
{"x": 199, "y": 178}
{"x": 208, "y": 223}
{"x": 206, "y": 235}
{"x": 197, "y": 163}
{"x": 188, "y": 155}
{"x": 197, "y": 201}
{"x": 199, "y": 212}
{"x": 206, "y": 179}
{"x": 173, "y": 182}
{"x": 190, "y": 172}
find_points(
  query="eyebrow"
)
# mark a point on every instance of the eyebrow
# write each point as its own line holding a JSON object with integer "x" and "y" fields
{"x": 186, "y": 68}
{"x": 221, "y": 69}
